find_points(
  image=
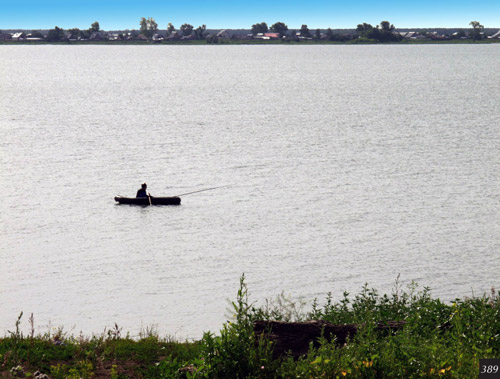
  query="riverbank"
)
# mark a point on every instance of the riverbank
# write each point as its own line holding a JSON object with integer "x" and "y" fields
{"x": 254, "y": 42}
{"x": 435, "y": 340}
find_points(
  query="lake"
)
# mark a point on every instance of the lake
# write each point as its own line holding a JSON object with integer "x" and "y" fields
{"x": 343, "y": 165}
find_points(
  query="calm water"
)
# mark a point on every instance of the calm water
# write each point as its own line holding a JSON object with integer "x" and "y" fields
{"x": 346, "y": 165}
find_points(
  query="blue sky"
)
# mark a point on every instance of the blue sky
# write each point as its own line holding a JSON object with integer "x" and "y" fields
{"x": 125, "y": 14}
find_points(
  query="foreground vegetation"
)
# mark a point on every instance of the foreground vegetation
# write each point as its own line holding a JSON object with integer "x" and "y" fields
{"x": 438, "y": 340}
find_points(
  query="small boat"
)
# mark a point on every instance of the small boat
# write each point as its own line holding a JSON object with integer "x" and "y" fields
{"x": 151, "y": 200}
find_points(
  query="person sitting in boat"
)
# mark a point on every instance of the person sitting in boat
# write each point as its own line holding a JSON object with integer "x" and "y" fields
{"x": 142, "y": 192}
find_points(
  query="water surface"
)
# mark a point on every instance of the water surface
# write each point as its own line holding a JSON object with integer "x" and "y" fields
{"x": 346, "y": 165}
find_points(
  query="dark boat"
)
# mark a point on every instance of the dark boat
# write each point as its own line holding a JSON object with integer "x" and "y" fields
{"x": 151, "y": 200}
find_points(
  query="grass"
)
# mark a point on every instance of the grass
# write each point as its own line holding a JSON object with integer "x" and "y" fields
{"x": 439, "y": 340}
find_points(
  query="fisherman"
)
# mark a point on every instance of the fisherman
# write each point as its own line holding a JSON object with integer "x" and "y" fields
{"x": 142, "y": 191}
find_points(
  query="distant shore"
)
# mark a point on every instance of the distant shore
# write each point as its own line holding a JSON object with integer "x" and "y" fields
{"x": 254, "y": 42}
{"x": 260, "y": 33}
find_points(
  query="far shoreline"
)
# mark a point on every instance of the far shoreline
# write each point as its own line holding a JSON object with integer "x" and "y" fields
{"x": 249, "y": 42}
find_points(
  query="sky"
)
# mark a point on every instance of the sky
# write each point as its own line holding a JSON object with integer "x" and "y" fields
{"x": 239, "y": 14}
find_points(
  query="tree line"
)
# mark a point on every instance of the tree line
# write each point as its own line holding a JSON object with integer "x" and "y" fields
{"x": 148, "y": 27}
{"x": 384, "y": 32}
{"x": 57, "y": 34}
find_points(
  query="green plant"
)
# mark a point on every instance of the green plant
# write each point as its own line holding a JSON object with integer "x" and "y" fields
{"x": 236, "y": 353}
{"x": 437, "y": 340}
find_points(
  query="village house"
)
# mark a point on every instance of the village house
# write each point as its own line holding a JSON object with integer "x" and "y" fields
{"x": 267, "y": 36}
{"x": 129, "y": 36}
{"x": 290, "y": 38}
{"x": 18, "y": 36}
{"x": 224, "y": 34}
{"x": 299, "y": 36}
{"x": 115, "y": 37}
{"x": 157, "y": 37}
{"x": 456, "y": 35}
{"x": 413, "y": 35}
{"x": 34, "y": 37}
{"x": 99, "y": 36}
{"x": 437, "y": 36}
{"x": 72, "y": 37}
{"x": 190, "y": 37}
{"x": 175, "y": 35}
{"x": 495, "y": 36}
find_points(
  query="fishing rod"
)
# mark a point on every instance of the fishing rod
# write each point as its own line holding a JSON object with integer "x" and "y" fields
{"x": 206, "y": 189}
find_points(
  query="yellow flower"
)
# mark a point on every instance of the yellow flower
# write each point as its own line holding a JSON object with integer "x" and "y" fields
{"x": 368, "y": 363}
{"x": 344, "y": 373}
{"x": 442, "y": 371}
{"x": 448, "y": 368}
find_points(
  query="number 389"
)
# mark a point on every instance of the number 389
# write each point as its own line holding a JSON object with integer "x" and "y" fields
{"x": 489, "y": 369}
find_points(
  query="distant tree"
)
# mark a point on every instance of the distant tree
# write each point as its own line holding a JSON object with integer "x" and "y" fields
{"x": 170, "y": 28}
{"x": 148, "y": 26}
{"x": 259, "y": 28}
{"x": 364, "y": 27}
{"x": 75, "y": 32}
{"x": 279, "y": 27}
{"x": 94, "y": 27}
{"x": 199, "y": 31}
{"x": 186, "y": 29}
{"x": 56, "y": 34}
{"x": 386, "y": 26}
{"x": 459, "y": 34}
{"x": 317, "y": 34}
{"x": 477, "y": 28}
{"x": 329, "y": 34}
{"x": 382, "y": 33}
{"x": 86, "y": 33}
{"x": 304, "y": 31}
{"x": 36, "y": 34}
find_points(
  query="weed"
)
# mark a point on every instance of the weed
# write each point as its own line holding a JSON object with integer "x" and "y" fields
{"x": 437, "y": 340}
